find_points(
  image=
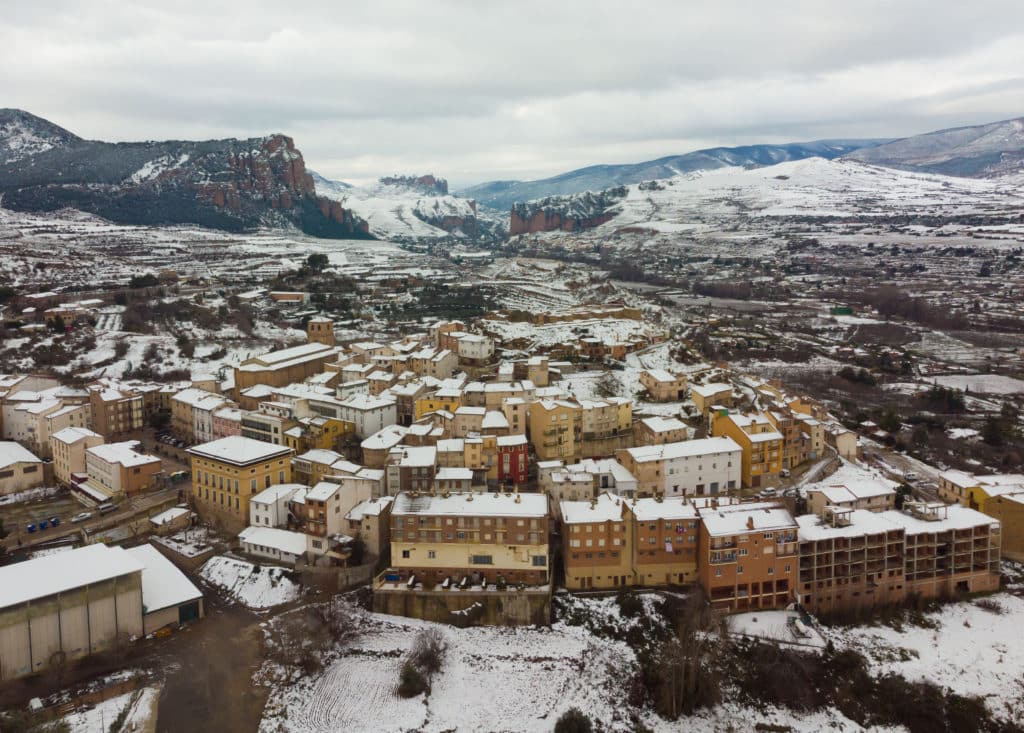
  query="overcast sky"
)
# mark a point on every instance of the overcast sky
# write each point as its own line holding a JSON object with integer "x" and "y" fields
{"x": 475, "y": 91}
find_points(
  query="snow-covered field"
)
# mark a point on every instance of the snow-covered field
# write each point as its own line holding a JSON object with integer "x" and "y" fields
{"x": 981, "y": 383}
{"x": 256, "y": 586}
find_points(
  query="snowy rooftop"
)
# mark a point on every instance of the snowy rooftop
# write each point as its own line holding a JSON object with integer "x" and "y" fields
{"x": 73, "y": 435}
{"x": 861, "y": 522}
{"x": 840, "y": 494}
{"x": 322, "y": 491}
{"x": 953, "y": 516}
{"x": 651, "y": 510}
{"x": 169, "y": 516}
{"x": 454, "y": 474}
{"x": 52, "y": 574}
{"x": 291, "y": 543}
{"x": 683, "y": 449}
{"x": 413, "y": 455}
{"x": 320, "y": 455}
{"x": 369, "y": 508}
{"x": 510, "y": 440}
{"x": 709, "y": 390}
{"x": 605, "y": 508}
{"x": 663, "y": 424}
{"x": 275, "y": 493}
{"x": 661, "y": 375}
{"x": 239, "y": 450}
{"x": 163, "y": 585}
{"x": 738, "y": 519}
{"x": 387, "y": 437}
{"x": 470, "y": 504}
{"x": 123, "y": 453}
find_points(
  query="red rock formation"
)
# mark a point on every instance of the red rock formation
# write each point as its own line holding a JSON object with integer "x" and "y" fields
{"x": 549, "y": 221}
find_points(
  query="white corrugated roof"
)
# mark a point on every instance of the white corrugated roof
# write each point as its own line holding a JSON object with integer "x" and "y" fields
{"x": 46, "y": 576}
{"x": 163, "y": 585}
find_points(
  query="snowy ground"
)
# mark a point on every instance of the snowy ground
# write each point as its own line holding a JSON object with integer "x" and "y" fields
{"x": 496, "y": 679}
{"x": 256, "y": 586}
{"x": 141, "y": 706}
{"x": 982, "y": 383}
{"x": 971, "y": 650}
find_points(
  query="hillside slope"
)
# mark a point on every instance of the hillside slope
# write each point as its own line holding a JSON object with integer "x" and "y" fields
{"x": 976, "y": 151}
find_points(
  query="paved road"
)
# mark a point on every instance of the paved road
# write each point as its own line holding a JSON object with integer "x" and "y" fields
{"x": 66, "y": 507}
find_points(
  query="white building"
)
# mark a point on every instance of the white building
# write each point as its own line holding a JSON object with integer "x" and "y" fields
{"x": 269, "y": 508}
{"x": 690, "y": 468}
{"x": 19, "y": 468}
{"x": 275, "y": 544}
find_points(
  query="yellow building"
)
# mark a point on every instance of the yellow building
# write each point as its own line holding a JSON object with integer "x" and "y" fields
{"x": 485, "y": 536}
{"x": 759, "y": 441}
{"x": 596, "y": 544}
{"x": 228, "y": 471}
{"x": 554, "y": 425}
{"x": 1000, "y": 496}
{"x": 318, "y": 433}
{"x": 1009, "y": 510}
{"x": 447, "y": 400}
{"x": 706, "y": 396}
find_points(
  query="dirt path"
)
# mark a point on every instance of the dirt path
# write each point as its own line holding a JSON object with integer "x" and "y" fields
{"x": 210, "y": 687}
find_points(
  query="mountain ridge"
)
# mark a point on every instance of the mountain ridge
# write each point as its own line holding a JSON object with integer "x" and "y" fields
{"x": 503, "y": 194}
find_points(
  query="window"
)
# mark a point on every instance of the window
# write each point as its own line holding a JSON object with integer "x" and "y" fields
{"x": 739, "y": 570}
{"x": 481, "y": 560}
{"x": 540, "y": 561}
{"x": 431, "y": 555}
{"x": 405, "y": 554}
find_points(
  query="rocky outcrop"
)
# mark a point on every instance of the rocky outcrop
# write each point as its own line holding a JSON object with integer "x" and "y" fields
{"x": 426, "y": 184}
{"x": 565, "y": 213}
{"x": 225, "y": 184}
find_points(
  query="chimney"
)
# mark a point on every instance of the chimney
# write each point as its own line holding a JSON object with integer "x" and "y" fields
{"x": 750, "y": 522}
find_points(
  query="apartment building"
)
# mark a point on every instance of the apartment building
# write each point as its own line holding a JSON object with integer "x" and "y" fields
{"x": 369, "y": 521}
{"x": 850, "y": 559}
{"x": 666, "y": 537}
{"x": 368, "y": 414}
{"x": 605, "y": 426}
{"x": 119, "y": 469}
{"x": 410, "y": 468}
{"x": 192, "y": 414}
{"x": 116, "y": 412}
{"x": 554, "y": 425}
{"x": 228, "y": 472}
{"x": 496, "y": 538}
{"x": 596, "y": 543}
{"x": 312, "y": 466}
{"x": 761, "y": 445}
{"x": 513, "y": 458}
{"x": 269, "y": 423}
{"x": 269, "y": 508}
{"x": 704, "y": 467}
{"x": 68, "y": 448}
{"x": 748, "y": 556}
{"x": 431, "y": 362}
{"x": 226, "y": 421}
{"x": 796, "y": 443}
{"x": 950, "y": 549}
{"x": 663, "y": 386}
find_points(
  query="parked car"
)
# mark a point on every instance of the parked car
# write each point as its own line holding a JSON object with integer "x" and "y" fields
{"x": 107, "y": 507}
{"x": 784, "y": 473}
{"x": 30, "y": 528}
{"x": 54, "y": 521}
{"x": 81, "y": 517}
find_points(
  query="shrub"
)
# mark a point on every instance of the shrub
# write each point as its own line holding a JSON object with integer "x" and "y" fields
{"x": 411, "y": 682}
{"x": 630, "y": 604}
{"x": 428, "y": 651}
{"x": 574, "y": 720}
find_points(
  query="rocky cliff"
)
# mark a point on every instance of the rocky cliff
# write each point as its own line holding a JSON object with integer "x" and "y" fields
{"x": 226, "y": 184}
{"x": 565, "y": 213}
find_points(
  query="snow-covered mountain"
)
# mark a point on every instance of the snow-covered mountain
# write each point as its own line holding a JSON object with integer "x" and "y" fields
{"x": 814, "y": 187}
{"x": 503, "y": 194}
{"x": 412, "y": 208}
{"x": 23, "y": 134}
{"x": 978, "y": 151}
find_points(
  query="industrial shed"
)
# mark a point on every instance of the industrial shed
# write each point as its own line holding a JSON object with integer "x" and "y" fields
{"x": 62, "y": 607}
{"x": 168, "y": 597}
